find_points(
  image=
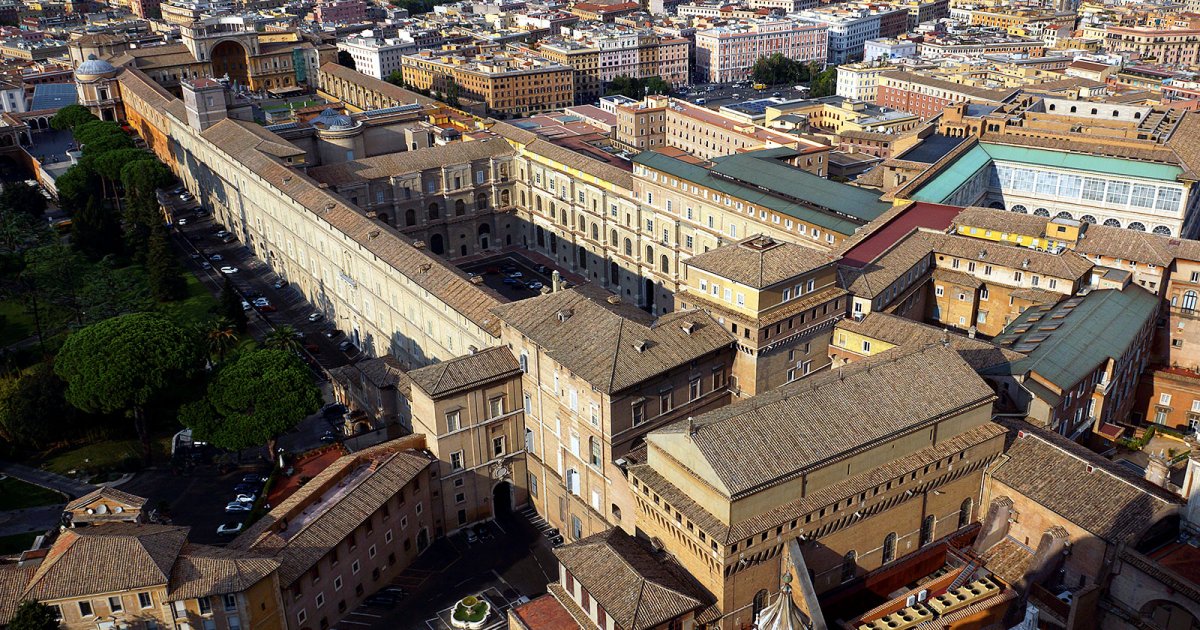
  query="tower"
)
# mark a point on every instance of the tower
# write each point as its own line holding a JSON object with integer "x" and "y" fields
{"x": 204, "y": 100}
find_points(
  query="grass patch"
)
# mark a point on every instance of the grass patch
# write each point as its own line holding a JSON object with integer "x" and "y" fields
{"x": 17, "y": 543}
{"x": 196, "y": 308}
{"x": 17, "y": 495}
{"x": 15, "y": 323}
{"x": 108, "y": 456}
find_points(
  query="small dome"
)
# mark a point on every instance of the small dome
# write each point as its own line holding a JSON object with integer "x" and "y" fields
{"x": 332, "y": 120}
{"x": 94, "y": 67}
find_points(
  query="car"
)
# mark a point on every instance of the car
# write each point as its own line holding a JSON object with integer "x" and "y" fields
{"x": 542, "y": 269}
{"x": 776, "y": 94}
{"x": 280, "y": 283}
{"x": 737, "y": 96}
{"x": 534, "y": 286}
{"x": 216, "y": 258}
{"x": 202, "y": 213}
{"x": 330, "y": 333}
{"x": 248, "y": 487}
{"x": 228, "y": 269}
{"x": 482, "y": 531}
{"x": 471, "y": 537}
{"x": 299, "y": 334}
{"x": 701, "y": 101}
{"x": 238, "y": 506}
{"x": 229, "y": 529}
{"x": 329, "y": 437}
{"x": 246, "y": 497}
{"x": 245, "y": 305}
{"x": 511, "y": 281}
{"x": 252, "y": 293}
{"x": 261, "y": 301}
{"x": 186, "y": 196}
{"x": 516, "y": 274}
{"x": 221, "y": 234}
{"x": 182, "y": 221}
{"x": 205, "y": 265}
{"x": 254, "y": 478}
{"x": 315, "y": 317}
{"x": 347, "y": 346}
{"x": 384, "y": 600}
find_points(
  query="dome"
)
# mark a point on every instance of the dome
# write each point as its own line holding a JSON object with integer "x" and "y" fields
{"x": 94, "y": 67}
{"x": 332, "y": 120}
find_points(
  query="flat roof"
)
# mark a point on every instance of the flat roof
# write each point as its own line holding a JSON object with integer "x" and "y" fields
{"x": 918, "y": 215}
{"x": 932, "y": 149}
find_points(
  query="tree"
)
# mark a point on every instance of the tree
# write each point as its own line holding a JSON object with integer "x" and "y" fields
{"x": 220, "y": 337}
{"x": 33, "y": 411}
{"x": 775, "y": 69}
{"x": 166, "y": 274}
{"x": 345, "y": 59}
{"x": 22, "y": 197}
{"x": 824, "y": 83}
{"x": 96, "y": 231}
{"x": 396, "y": 78}
{"x": 76, "y": 186}
{"x": 71, "y": 117}
{"x": 637, "y": 88}
{"x": 126, "y": 363}
{"x": 656, "y": 85}
{"x": 283, "y": 338}
{"x": 231, "y": 307}
{"x": 452, "y": 92}
{"x": 261, "y": 395}
{"x": 33, "y": 615}
{"x": 57, "y": 273}
{"x": 142, "y": 179}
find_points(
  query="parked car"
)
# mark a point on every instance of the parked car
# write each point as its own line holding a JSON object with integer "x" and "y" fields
{"x": 330, "y": 333}
{"x": 329, "y": 437}
{"x": 246, "y": 497}
{"x": 202, "y": 213}
{"x": 254, "y": 478}
{"x": 205, "y": 265}
{"x": 238, "y": 506}
{"x": 383, "y": 600}
{"x": 471, "y": 537}
{"x": 245, "y": 305}
{"x": 261, "y": 301}
{"x": 229, "y": 529}
{"x": 516, "y": 274}
{"x": 511, "y": 281}
{"x": 542, "y": 269}
{"x": 221, "y": 233}
{"x": 535, "y": 286}
{"x": 315, "y": 317}
{"x": 216, "y": 258}
{"x": 347, "y": 346}
{"x": 182, "y": 221}
{"x": 280, "y": 283}
{"x": 247, "y": 488}
{"x": 228, "y": 269}
{"x": 186, "y": 196}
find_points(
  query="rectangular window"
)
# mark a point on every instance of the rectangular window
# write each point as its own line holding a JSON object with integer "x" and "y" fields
{"x": 639, "y": 413}
{"x": 694, "y": 389}
{"x": 85, "y": 609}
{"x": 452, "y": 423}
{"x": 496, "y": 407}
{"x": 498, "y": 446}
{"x": 204, "y": 605}
{"x": 144, "y": 600}
{"x": 114, "y": 604}
{"x": 456, "y": 460}
{"x": 1164, "y": 399}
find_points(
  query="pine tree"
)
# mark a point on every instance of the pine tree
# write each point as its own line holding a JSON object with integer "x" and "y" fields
{"x": 166, "y": 275}
{"x": 96, "y": 231}
{"x": 231, "y": 307}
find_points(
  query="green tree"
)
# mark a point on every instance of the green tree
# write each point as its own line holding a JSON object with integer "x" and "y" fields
{"x": 452, "y": 93}
{"x": 220, "y": 337}
{"x": 33, "y": 412}
{"x": 396, "y": 78}
{"x": 775, "y": 69}
{"x": 22, "y": 197}
{"x": 77, "y": 186}
{"x": 345, "y": 59}
{"x": 253, "y": 400}
{"x": 824, "y": 83}
{"x": 96, "y": 231}
{"x": 57, "y": 273}
{"x": 165, "y": 273}
{"x": 141, "y": 180}
{"x": 125, "y": 364}
{"x": 283, "y": 338}
{"x": 71, "y": 117}
{"x": 231, "y": 307}
{"x": 656, "y": 85}
{"x": 33, "y": 615}
{"x": 626, "y": 85}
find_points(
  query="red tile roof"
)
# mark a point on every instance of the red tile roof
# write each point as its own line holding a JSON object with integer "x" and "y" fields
{"x": 545, "y": 613}
{"x": 927, "y": 215}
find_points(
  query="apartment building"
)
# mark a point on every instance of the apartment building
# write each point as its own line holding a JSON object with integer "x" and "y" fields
{"x": 860, "y": 81}
{"x": 600, "y": 54}
{"x": 509, "y": 84}
{"x": 838, "y": 115}
{"x": 375, "y": 56}
{"x": 470, "y": 410}
{"x": 598, "y": 375}
{"x": 339, "y": 12}
{"x": 727, "y": 53}
{"x": 1171, "y": 46}
{"x": 851, "y": 26}
{"x": 331, "y": 556}
{"x": 153, "y": 578}
{"x": 726, "y": 491}
{"x": 927, "y": 96}
{"x": 779, "y": 301}
{"x": 659, "y": 121}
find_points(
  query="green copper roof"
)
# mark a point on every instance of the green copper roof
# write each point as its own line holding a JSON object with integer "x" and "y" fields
{"x": 938, "y": 189}
{"x": 749, "y": 177}
{"x": 1065, "y": 342}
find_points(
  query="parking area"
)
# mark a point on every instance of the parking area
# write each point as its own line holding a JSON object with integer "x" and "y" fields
{"x": 512, "y": 275}
{"x": 506, "y": 563}
{"x": 196, "y": 496}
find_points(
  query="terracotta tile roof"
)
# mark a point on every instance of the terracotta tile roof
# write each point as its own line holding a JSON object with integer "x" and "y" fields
{"x": 13, "y": 580}
{"x": 612, "y": 347}
{"x": 465, "y": 372}
{"x": 533, "y": 143}
{"x": 760, "y": 261}
{"x": 959, "y": 278}
{"x": 202, "y": 570}
{"x": 634, "y": 587}
{"x": 112, "y": 557}
{"x": 874, "y": 277}
{"x": 545, "y": 613}
{"x": 1010, "y": 560}
{"x": 104, "y": 492}
{"x": 900, "y": 331}
{"x": 976, "y": 93}
{"x": 384, "y": 372}
{"x": 811, "y": 423}
{"x": 1081, "y": 486}
{"x": 1065, "y": 265}
{"x": 390, "y": 164}
{"x": 304, "y": 527}
{"x": 371, "y": 84}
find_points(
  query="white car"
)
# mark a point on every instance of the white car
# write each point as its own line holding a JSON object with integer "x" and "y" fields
{"x": 315, "y": 317}
{"x": 182, "y": 221}
{"x": 238, "y": 506}
{"x": 248, "y": 499}
{"x": 245, "y": 305}
{"x": 230, "y": 528}
{"x": 261, "y": 302}
{"x": 228, "y": 269}
{"x": 216, "y": 258}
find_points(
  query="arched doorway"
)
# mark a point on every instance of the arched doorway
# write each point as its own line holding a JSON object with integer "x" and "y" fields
{"x": 1169, "y": 615}
{"x": 436, "y": 245}
{"x": 502, "y": 501}
{"x": 484, "y": 236}
{"x": 229, "y": 58}
{"x": 422, "y": 539}
{"x": 649, "y": 295}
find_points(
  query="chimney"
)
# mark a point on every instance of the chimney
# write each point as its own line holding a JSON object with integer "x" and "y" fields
{"x": 555, "y": 281}
{"x": 1157, "y": 471}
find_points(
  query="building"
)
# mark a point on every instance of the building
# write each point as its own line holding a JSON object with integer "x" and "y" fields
{"x": 727, "y": 53}
{"x": 106, "y": 505}
{"x": 726, "y": 491}
{"x": 153, "y": 577}
{"x": 339, "y": 12}
{"x": 1172, "y": 46}
{"x": 851, "y": 26}
{"x": 146, "y": 9}
{"x": 779, "y": 301}
{"x": 377, "y": 57}
{"x": 888, "y": 48}
{"x": 860, "y": 81}
{"x": 601, "y": 54}
{"x": 510, "y": 85}
{"x": 838, "y": 115}
{"x": 928, "y": 96}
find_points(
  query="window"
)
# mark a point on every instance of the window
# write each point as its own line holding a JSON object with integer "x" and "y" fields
{"x": 866, "y": 346}
{"x": 337, "y": 581}
{"x": 1164, "y": 400}
{"x": 983, "y": 293}
{"x": 927, "y": 527}
{"x": 964, "y": 513}
{"x": 573, "y": 481}
{"x": 594, "y": 449}
{"x": 498, "y": 446}
{"x": 939, "y": 291}
{"x": 230, "y": 602}
{"x": 205, "y": 606}
{"x": 533, "y": 485}
{"x": 144, "y": 600}
{"x": 302, "y": 616}
{"x": 452, "y": 421}
{"x": 576, "y": 528}
{"x": 760, "y": 601}
{"x": 320, "y": 600}
{"x": 694, "y": 389}
{"x": 456, "y": 460}
{"x": 639, "y": 413}
{"x": 496, "y": 407}
{"x": 889, "y": 548}
{"x": 85, "y": 609}
{"x": 114, "y": 604}
{"x": 849, "y": 565}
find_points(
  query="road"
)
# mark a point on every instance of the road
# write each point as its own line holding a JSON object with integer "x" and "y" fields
{"x": 46, "y": 479}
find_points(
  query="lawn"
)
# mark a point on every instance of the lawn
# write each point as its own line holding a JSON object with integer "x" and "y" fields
{"x": 17, "y": 495}
{"x": 196, "y": 308}
{"x": 17, "y": 543}
{"x": 108, "y": 456}
{"x": 15, "y": 323}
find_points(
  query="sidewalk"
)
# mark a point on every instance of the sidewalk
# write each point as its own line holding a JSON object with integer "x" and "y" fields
{"x": 70, "y": 487}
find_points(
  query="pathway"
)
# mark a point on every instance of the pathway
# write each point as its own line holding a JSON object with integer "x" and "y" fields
{"x": 46, "y": 479}
{"x": 35, "y": 519}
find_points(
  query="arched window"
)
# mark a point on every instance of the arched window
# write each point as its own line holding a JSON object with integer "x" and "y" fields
{"x": 612, "y": 238}
{"x": 964, "y": 512}
{"x": 614, "y": 274}
{"x": 481, "y": 202}
{"x": 849, "y": 565}
{"x": 1189, "y": 301}
{"x": 1112, "y": 223}
{"x": 760, "y": 601}
{"x": 434, "y": 211}
{"x": 665, "y": 265}
{"x": 505, "y": 197}
{"x": 1162, "y": 229}
{"x": 595, "y": 232}
{"x": 1042, "y": 212}
{"x": 410, "y": 217}
{"x": 537, "y": 201}
{"x": 649, "y": 255}
{"x": 1074, "y": 109}
{"x": 1020, "y": 208}
{"x": 460, "y": 208}
{"x": 628, "y": 247}
{"x": 1087, "y": 218}
{"x": 996, "y": 205}
{"x": 927, "y": 526}
{"x": 1137, "y": 227}
{"x": 889, "y": 548}
{"x": 1063, "y": 215}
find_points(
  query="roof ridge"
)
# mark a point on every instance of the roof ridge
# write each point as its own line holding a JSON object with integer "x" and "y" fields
{"x": 612, "y": 376}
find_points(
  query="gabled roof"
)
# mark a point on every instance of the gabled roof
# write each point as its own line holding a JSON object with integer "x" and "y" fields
{"x": 202, "y": 571}
{"x": 111, "y": 494}
{"x": 406, "y": 162}
{"x": 465, "y": 372}
{"x": 900, "y": 331}
{"x": 760, "y": 261}
{"x": 807, "y": 424}
{"x": 637, "y": 590}
{"x": 612, "y": 347}
{"x": 107, "y": 558}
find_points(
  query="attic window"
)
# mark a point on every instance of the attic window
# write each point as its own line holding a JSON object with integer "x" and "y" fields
{"x": 640, "y": 346}
{"x": 1091, "y": 468}
{"x": 563, "y": 315}
{"x": 688, "y": 327}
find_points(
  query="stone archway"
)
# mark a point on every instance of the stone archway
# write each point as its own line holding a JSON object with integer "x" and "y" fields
{"x": 502, "y": 500}
{"x": 231, "y": 58}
